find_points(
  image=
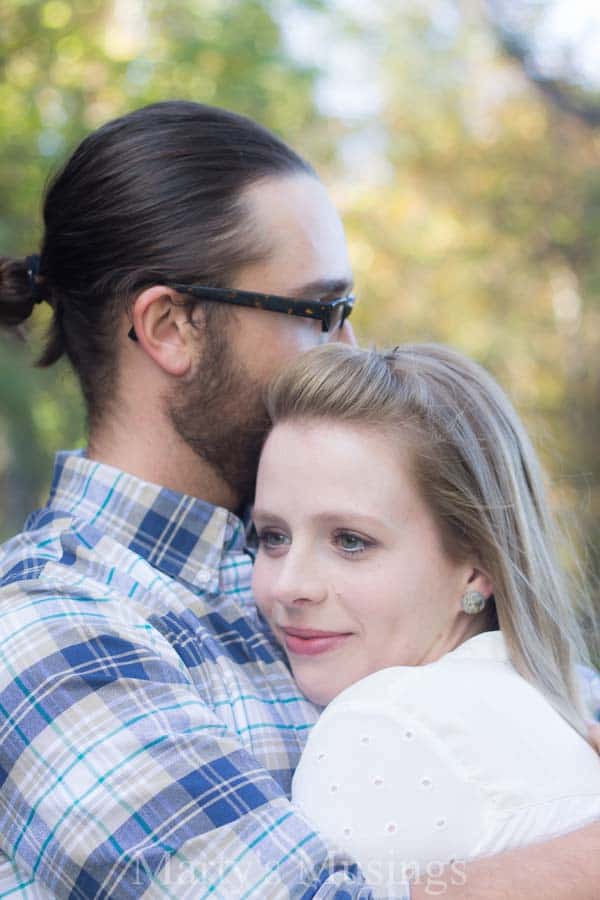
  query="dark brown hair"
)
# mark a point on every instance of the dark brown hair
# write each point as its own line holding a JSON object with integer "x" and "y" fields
{"x": 154, "y": 196}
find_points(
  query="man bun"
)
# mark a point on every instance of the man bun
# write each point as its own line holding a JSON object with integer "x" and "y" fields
{"x": 18, "y": 291}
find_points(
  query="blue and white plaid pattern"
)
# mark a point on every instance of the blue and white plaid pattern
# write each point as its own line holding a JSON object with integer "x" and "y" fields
{"x": 150, "y": 726}
{"x": 590, "y": 689}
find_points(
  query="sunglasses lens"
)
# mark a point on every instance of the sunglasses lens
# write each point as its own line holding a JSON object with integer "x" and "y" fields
{"x": 335, "y": 318}
{"x": 334, "y": 314}
{"x": 338, "y": 316}
{"x": 342, "y": 312}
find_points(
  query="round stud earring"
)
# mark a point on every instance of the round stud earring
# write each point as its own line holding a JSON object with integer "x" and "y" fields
{"x": 473, "y": 602}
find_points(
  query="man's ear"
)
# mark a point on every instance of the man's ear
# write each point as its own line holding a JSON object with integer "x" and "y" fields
{"x": 163, "y": 329}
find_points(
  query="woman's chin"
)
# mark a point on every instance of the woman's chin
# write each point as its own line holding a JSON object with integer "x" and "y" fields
{"x": 318, "y": 693}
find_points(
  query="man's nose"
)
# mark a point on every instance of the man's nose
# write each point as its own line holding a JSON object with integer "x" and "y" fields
{"x": 345, "y": 335}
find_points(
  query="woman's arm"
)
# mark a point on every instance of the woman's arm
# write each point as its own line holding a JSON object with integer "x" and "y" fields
{"x": 565, "y": 868}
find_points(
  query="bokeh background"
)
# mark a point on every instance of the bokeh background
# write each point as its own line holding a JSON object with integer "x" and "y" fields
{"x": 460, "y": 140}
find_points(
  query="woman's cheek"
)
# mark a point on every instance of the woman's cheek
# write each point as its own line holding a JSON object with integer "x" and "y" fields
{"x": 259, "y": 581}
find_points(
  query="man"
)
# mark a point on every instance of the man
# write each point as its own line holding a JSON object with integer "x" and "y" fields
{"x": 151, "y": 727}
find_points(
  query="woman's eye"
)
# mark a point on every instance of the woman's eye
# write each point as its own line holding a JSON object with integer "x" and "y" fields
{"x": 351, "y": 543}
{"x": 272, "y": 539}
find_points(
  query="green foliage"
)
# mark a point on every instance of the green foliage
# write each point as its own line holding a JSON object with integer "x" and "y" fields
{"x": 485, "y": 233}
{"x": 65, "y": 68}
{"x": 475, "y": 220}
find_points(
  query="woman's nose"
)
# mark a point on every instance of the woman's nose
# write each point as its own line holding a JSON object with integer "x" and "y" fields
{"x": 299, "y": 583}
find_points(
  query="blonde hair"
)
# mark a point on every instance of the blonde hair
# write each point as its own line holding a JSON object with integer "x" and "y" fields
{"x": 478, "y": 472}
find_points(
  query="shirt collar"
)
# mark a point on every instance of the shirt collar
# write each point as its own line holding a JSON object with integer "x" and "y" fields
{"x": 489, "y": 645}
{"x": 182, "y": 536}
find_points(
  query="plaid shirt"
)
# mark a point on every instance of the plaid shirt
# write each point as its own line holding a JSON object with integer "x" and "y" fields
{"x": 150, "y": 727}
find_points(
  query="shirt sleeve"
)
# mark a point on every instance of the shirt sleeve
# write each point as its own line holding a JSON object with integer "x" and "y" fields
{"x": 434, "y": 764}
{"x": 589, "y": 681}
{"x": 117, "y": 781}
{"x": 398, "y": 802}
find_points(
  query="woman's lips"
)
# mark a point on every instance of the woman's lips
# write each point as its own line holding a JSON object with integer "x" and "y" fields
{"x": 309, "y": 642}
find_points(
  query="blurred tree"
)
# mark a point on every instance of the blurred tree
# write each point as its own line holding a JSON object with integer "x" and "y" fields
{"x": 477, "y": 223}
{"x": 557, "y": 44}
{"x": 65, "y": 68}
{"x": 472, "y": 204}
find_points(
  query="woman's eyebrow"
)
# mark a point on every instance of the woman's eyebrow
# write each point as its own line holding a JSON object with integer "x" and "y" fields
{"x": 350, "y": 515}
{"x": 327, "y": 517}
{"x": 267, "y": 516}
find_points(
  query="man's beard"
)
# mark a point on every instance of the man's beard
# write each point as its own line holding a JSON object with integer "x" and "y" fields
{"x": 222, "y": 417}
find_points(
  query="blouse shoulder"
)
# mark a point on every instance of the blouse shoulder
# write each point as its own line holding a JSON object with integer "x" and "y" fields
{"x": 465, "y": 745}
{"x": 481, "y": 716}
{"x": 451, "y": 677}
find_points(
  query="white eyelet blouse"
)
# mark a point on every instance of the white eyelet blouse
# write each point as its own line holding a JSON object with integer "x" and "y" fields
{"x": 460, "y": 758}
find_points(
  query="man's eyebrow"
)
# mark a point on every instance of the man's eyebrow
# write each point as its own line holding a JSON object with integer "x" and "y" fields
{"x": 323, "y": 287}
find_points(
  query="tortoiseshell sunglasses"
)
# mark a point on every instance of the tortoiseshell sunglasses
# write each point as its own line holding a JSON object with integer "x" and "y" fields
{"x": 331, "y": 313}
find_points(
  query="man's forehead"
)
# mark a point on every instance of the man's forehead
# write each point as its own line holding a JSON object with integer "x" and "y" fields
{"x": 295, "y": 221}
{"x": 291, "y": 204}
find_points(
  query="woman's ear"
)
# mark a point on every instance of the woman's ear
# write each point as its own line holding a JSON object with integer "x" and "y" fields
{"x": 479, "y": 580}
{"x": 163, "y": 329}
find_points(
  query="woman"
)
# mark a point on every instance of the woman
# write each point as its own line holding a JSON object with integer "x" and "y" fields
{"x": 407, "y": 564}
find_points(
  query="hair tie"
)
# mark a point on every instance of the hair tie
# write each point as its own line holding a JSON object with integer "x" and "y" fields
{"x": 33, "y": 270}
